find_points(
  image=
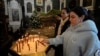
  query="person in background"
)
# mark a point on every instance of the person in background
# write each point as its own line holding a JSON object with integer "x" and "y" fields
{"x": 64, "y": 21}
{"x": 80, "y": 39}
{"x": 62, "y": 24}
{"x": 58, "y": 19}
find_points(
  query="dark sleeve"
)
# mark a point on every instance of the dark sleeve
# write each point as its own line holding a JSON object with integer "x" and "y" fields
{"x": 66, "y": 25}
{"x": 56, "y": 28}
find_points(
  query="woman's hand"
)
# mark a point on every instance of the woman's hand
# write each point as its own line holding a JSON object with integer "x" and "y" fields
{"x": 45, "y": 40}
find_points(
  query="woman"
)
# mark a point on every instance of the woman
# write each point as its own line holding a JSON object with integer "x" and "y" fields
{"x": 80, "y": 39}
{"x": 61, "y": 26}
{"x": 64, "y": 23}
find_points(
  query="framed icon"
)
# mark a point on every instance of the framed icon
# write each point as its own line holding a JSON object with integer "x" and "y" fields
{"x": 15, "y": 15}
{"x": 39, "y": 2}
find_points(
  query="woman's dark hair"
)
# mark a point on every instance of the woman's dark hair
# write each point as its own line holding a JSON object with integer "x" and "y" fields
{"x": 67, "y": 9}
{"x": 81, "y": 11}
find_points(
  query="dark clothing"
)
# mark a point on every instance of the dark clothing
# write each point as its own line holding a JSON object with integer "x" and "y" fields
{"x": 5, "y": 38}
{"x": 56, "y": 28}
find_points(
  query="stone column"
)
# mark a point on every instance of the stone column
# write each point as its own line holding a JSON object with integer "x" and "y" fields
{"x": 6, "y": 7}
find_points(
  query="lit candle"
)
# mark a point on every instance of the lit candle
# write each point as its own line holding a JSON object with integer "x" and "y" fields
{"x": 28, "y": 46}
{"x": 41, "y": 43}
{"x": 22, "y": 42}
{"x": 19, "y": 47}
{"x": 36, "y": 46}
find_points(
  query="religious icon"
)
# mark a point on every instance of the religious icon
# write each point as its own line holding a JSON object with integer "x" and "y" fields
{"x": 15, "y": 15}
{"x": 87, "y": 3}
{"x": 39, "y": 2}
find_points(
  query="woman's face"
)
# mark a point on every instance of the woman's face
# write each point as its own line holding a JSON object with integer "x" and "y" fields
{"x": 64, "y": 14}
{"x": 75, "y": 19}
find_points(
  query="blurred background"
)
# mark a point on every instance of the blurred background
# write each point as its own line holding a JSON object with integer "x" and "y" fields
{"x": 19, "y": 16}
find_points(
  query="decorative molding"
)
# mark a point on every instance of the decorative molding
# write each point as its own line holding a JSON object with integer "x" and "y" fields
{"x": 15, "y": 14}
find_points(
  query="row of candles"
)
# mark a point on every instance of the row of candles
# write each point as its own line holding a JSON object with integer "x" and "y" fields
{"x": 25, "y": 40}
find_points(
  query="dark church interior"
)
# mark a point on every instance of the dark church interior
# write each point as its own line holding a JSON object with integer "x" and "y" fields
{"x": 7, "y": 36}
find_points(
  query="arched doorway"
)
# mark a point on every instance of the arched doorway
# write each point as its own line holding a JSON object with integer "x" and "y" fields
{"x": 48, "y": 8}
{"x": 29, "y": 7}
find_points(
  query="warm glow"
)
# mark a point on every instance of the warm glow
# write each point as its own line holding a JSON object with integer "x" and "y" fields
{"x": 30, "y": 44}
